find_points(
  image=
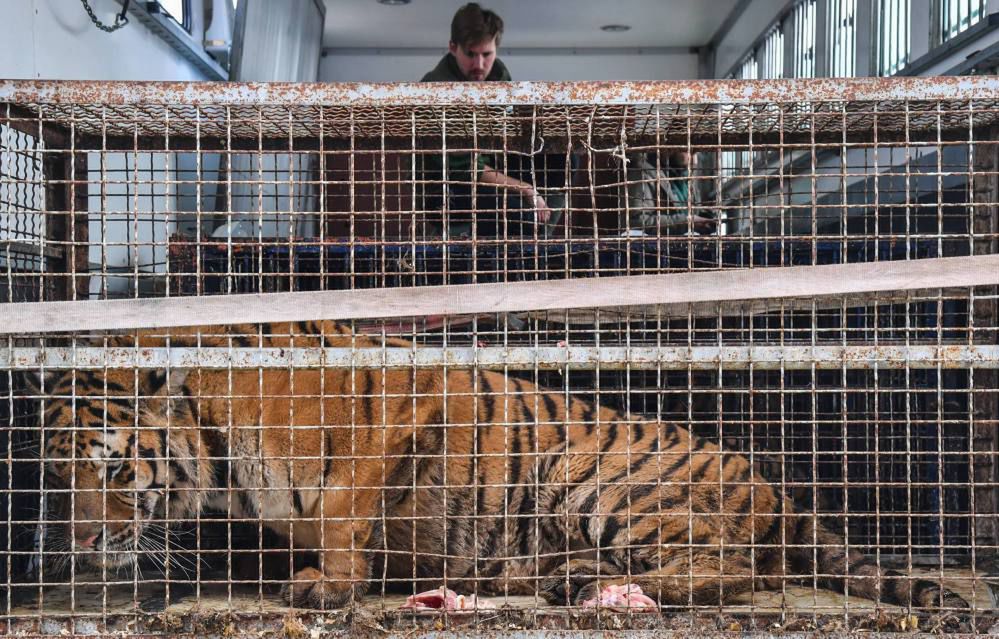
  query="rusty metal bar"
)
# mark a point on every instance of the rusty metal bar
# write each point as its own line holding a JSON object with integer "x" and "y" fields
{"x": 707, "y": 358}
{"x": 699, "y": 92}
{"x": 985, "y": 314}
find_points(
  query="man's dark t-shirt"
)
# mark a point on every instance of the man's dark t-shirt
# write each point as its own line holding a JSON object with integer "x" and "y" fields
{"x": 459, "y": 163}
{"x": 447, "y": 71}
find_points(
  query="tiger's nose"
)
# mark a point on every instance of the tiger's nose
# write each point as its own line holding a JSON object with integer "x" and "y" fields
{"x": 86, "y": 541}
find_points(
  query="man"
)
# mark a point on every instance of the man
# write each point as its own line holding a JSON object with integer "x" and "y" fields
{"x": 471, "y": 57}
{"x": 659, "y": 200}
{"x": 475, "y": 34}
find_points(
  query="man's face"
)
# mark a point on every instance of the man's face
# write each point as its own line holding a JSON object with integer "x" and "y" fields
{"x": 475, "y": 60}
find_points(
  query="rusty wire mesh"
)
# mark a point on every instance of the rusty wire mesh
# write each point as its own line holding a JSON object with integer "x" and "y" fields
{"x": 178, "y": 480}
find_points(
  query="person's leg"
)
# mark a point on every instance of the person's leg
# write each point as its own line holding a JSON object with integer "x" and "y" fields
{"x": 501, "y": 213}
{"x": 485, "y": 213}
{"x": 457, "y": 218}
{"x": 550, "y": 173}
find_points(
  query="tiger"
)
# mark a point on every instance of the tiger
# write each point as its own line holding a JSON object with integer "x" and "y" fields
{"x": 420, "y": 475}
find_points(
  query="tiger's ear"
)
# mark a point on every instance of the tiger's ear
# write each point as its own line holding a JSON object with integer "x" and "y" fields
{"x": 34, "y": 382}
{"x": 178, "y": 378}
{"x": 155, "y": 382}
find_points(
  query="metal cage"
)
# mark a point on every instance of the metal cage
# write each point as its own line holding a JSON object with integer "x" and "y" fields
{"x": 225, "y": 305}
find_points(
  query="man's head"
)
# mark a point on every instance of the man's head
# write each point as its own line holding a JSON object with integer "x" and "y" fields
{"x": 679, "y": 159}
{"x": 475, "y": 34}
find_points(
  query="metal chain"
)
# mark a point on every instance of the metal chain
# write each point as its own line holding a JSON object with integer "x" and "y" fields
{"x": 120, "y": 20}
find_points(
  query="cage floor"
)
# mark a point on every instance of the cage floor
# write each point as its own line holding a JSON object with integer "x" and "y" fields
{"x": 232, "y": 610}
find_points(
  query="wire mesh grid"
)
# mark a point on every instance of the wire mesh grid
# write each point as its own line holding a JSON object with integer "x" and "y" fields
{"x": 812, "y": 460}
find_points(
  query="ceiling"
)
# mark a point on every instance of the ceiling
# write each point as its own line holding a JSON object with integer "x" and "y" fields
{"x": 529, "y": 23}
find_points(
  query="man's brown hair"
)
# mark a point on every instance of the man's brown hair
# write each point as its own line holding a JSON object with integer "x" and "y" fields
{"x": 473, "y": 24}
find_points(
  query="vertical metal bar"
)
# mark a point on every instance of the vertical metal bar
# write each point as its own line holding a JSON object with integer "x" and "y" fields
{"x": 229, "y": 274}
{"x": 102, "y": 158}
{"x": 381, "y": 228}
{"x": 134, "y": 215}
{"x": 230, "y": 418}
{"x": 984, "y": 325}
{"x": 57, "y": 167}
{"x": 79, "y": 227}
{"x": 199, "y": 246}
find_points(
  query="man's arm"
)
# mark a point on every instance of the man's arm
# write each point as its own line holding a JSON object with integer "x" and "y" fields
{"x": 489, "y": 175}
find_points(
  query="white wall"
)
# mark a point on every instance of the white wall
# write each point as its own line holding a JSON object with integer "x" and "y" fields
{"x": 55, "y": 39}
{"x": 386, "y": 65}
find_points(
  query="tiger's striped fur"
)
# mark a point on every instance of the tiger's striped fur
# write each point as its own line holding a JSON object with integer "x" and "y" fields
{"x": 489, "y": 481}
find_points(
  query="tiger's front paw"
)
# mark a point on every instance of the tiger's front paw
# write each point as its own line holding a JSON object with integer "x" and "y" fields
{"x": 575, "y": 581}
{"x": 309, "y": 588}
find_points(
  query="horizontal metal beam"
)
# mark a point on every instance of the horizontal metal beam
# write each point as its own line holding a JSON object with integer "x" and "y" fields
{"x": 706, "y": 358}
{"x": 691, "y": 92}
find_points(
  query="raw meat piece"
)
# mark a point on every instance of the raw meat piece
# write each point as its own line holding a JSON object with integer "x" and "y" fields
{"x": 446, "y": 599}
{"x": 627, "y": 596}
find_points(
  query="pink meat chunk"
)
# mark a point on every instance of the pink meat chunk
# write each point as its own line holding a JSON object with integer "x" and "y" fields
{"x": 446, "y": 599}
{"x": 627, "y": 596}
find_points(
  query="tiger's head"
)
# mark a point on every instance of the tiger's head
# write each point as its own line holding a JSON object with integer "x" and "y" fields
{"x": 118, "y": 468}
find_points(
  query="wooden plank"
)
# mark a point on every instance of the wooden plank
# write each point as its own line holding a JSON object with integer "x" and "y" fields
{"x": 508, "y": 297}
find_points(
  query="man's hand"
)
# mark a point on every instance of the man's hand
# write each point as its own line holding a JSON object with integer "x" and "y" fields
{"x": 540, "y": 207}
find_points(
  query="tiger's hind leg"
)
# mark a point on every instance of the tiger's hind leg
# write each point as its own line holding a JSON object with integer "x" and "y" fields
{"x": 819, "y": 551}
{"x": 681, "y": 578}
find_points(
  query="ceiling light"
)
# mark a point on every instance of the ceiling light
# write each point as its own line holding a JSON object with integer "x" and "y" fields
{"x": 394, "y": 3}
{"x": 611, "y": 28}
